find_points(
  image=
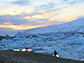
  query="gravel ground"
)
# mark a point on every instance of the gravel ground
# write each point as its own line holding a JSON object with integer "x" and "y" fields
{"x": 31, "y": 57}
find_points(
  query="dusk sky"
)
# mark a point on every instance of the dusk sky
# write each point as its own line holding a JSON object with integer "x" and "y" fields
{"x": 20, "y": 15}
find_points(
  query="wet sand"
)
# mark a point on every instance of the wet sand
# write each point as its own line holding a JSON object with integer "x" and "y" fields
{"x": 31, "y": 57}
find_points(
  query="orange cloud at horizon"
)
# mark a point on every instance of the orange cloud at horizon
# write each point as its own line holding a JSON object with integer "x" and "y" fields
{"x": 7, "y": 23}
{"x": 42, "y": 16}
{"x": 8, "y": 12}
{"x": 20, "y": 27}
{"x": 52, "y": 16}
{"x": 18, "y": 12}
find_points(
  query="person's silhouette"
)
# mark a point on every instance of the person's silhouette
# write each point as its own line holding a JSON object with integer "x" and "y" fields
{"x": 55, "y": 53}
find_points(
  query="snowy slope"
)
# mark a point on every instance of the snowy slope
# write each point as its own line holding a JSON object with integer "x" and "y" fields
{"x": 40, "y": 30}
{"x": 73, "y": 26}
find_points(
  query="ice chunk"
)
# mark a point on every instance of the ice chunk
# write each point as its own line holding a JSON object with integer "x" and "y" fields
{"x": 20, "y": 35}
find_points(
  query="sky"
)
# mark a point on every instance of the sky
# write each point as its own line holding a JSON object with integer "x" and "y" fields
{"x": 20, "y": 15}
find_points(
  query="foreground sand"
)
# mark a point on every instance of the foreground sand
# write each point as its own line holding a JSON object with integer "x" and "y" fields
{"x": 31, "y": 57}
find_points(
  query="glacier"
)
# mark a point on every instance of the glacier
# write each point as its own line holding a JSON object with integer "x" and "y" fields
{"x": 69, "y": 27}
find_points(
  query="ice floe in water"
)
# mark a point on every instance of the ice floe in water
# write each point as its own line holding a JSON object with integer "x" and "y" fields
{"x": 70, "y": 46}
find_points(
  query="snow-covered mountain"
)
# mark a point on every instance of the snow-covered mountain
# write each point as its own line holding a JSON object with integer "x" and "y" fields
{"x": 73, "y": 26}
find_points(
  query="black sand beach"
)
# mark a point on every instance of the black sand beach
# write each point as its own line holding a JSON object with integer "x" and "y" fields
{"x": 31, "y": 57}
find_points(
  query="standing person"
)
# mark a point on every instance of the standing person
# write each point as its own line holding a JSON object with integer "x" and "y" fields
{"x": 55, "y": 53}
